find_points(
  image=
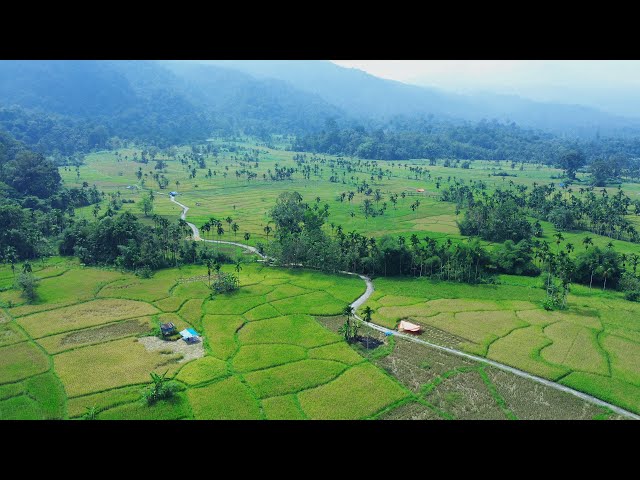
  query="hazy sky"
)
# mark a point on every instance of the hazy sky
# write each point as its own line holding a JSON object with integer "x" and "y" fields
{"x": 612, "y": 85}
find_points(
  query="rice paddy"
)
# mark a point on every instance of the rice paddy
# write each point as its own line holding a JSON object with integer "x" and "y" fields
{"x": 270, "y": 353}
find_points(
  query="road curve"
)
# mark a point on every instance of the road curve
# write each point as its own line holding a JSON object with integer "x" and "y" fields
{"x": 369, "y": 291}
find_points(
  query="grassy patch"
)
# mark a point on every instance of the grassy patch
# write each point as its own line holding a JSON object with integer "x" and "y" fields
{"x": 220, "y": 331}
{"x": 87, "y": 336}
{"x": 10, "y": 334}
{"x": 360, "y": 392}
{"x": 109, "y": 365}
{"x": 77, "y": 406}
{"x": 228, "y": 399}
{"x": 576, "y": 347}
{"x": 254, "y": 357}
{"x": 261, "y": 312}
{"x": 519, "y": 349}
{"x": 191, "y": 311}
{"x": 75, "y": 285}
{"x": 83, "y": 315}
{"x": 300, "y": 330}
{"x": 174, "y": 408}
{"x": 202, "y": 370}
{"x": 339, "y": 352}
{"x": 169, "y": 304}
{"x": 609, "y": 389}
{"x": 625, "y": 358}
{"x": 20, "y": 361}
{"x": 282, "y": 408}
{"x": 19, "y": 408}
{"x": 316, "y": 303}
{"x": 292, "y": 377}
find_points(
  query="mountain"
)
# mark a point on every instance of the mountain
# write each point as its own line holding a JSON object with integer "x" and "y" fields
{"x": 363, "y": 95}
{"x": 73, "y": 105}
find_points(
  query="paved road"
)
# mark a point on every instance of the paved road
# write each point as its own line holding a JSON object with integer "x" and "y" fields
{"x": 369, "y": 291}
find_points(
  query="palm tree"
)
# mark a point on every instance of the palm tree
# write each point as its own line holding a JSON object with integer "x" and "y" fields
{"x": 235, "y": 227}
{"x": 209, "y": 267}
{"x": 26, "y": 267}
{"x": 586, "y": 241}
{"x": 559, "y": 238}
{"x": 606, "y": 273}
{"x": 367, "y": 313}
{"x": 91, "y": 413}
{"x": 349, "y": 330}
{"x": 220, "y": 231}
{"x": 238, "y": 268}
{"x": 569, "y": 247}
{"x": 267, "y": 230}
{"x": 246, "y": 236}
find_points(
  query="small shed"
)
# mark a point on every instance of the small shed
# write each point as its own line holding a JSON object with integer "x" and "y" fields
{"x": 173, "y": 194}
{"x": 167, "y": 329}
{"x": 189, "y": 335}
{"x": 420, "y": 190}
{"x": 408, "y": 327}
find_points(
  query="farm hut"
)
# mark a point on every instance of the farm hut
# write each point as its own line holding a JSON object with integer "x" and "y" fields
{"x": 408, "y": 327}
{"x": 189, "y": 335}
{"x": 167, "y": 329}
{"x": 173, "y": 194}
{"x": 420, "y": 190}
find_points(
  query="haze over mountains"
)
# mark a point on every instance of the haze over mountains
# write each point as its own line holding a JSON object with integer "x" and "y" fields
{"x": 363, "y": 95}
{"x": 72, "y": 105}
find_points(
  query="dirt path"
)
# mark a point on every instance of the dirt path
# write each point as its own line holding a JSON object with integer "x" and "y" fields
{"x": 369, "y": 291}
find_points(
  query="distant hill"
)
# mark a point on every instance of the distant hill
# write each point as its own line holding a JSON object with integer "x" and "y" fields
{"x": 361, "y": 94}
{"x": 79, "y": 104}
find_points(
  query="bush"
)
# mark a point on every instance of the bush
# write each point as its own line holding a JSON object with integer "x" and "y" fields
{"x": 225, "y": 282}
{"x": 630, "y": 285}
{"x": 27, "y": 283}
{"x": 160, "y": 389}
{"x": 144, "y": 272}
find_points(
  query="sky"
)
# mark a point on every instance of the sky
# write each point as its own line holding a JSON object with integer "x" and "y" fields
{"x": 611, "y": 85}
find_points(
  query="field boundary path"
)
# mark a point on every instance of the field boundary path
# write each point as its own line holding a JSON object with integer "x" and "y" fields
{"x": 369, "y": 291}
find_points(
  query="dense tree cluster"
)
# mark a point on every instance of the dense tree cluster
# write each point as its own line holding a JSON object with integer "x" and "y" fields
{"x": 476, "y": 141}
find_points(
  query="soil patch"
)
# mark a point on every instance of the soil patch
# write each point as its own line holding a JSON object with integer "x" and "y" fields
{"x": 188, "y": 351}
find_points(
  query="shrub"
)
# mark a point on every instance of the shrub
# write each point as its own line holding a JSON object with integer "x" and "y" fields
{"x": 225, "y": 282}
{"x": 144, "y": 272}
{"x": 27, "y": 283}
{"x": 159, "y": 389}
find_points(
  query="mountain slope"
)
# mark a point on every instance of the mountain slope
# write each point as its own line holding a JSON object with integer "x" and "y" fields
{"x": 364, "y": 95}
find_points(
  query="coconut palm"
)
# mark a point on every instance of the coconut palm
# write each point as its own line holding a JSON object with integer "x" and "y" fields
{"x": 267, "y": 231}
{"x": 246, "y": 236}
{"x": 238, "y": 267}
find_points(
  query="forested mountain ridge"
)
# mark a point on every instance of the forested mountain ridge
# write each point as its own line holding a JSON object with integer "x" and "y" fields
{"x": 78, "y": 105}
{"x": 363, "y": 95}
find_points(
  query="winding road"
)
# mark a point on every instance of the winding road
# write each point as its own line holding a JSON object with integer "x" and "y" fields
{"x": 369, "y": 291}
